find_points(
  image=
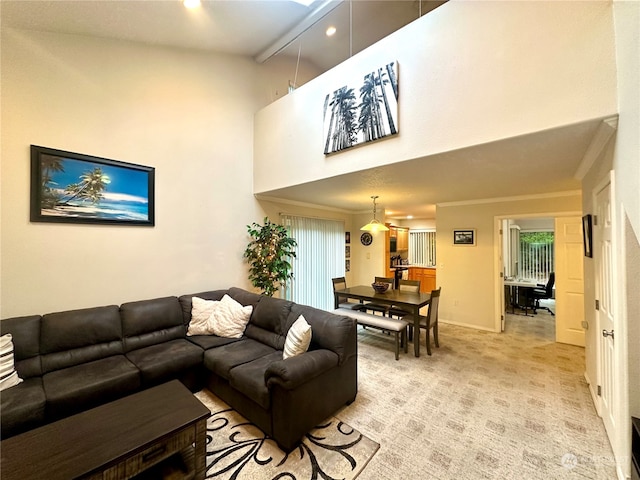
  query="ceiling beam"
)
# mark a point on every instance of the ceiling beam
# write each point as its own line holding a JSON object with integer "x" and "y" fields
{"x": 323, "y": 9}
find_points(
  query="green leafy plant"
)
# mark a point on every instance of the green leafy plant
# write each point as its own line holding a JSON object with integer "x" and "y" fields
{"x": 268, "y": 254}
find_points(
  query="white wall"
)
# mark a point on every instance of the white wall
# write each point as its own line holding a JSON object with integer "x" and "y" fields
{"x": 627, "y": 167}
{"x": 469, "y": 73}
{"x": 189, "y": 115}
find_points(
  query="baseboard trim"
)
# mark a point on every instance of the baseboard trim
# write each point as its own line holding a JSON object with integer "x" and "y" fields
{"x": 467, "y": 325}
{"x": 594, "y": 394}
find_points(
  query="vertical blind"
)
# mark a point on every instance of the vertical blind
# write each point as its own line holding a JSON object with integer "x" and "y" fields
{"x": 536, "y": 261}
{"x": 422, "y": 247}
{"x": 319, "y": 258}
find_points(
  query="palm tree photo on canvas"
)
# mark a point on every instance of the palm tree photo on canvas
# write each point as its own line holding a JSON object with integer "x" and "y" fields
{"x": 362, "y": 111}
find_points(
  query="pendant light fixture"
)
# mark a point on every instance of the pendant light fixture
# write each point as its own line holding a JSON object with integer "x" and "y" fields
{"x": 374, "y": 225}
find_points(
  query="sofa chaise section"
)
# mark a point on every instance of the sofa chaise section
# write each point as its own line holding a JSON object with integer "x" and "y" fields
{"x": 275, "y": 394}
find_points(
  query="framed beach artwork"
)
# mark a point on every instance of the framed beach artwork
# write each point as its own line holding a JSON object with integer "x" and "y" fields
{"x": 71, "y": 187}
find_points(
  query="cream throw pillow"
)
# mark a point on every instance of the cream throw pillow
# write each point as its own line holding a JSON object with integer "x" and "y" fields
{"x": 8, "y": 375}
{"x": 229, "y": 318}
{"x": 298, "y": 338}
{"x": 201, "y": 310}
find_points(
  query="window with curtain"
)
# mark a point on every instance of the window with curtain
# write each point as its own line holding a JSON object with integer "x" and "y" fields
{"x": 422, "y": 247}
{"x": 319, "y": 258}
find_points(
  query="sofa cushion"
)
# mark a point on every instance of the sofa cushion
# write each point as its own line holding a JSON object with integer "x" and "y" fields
{"x": 268, "y": 322}
{"x": 201, "y": 311}
{"x": 25, "y": 333}
{"x": 23, "y": 407}
{"x": 76, "y": 337}
{"x": 248, "y": 378}
{"x": 222, "y": 359}
{"x": 89, "y": 384}
{"x": 298, "y": 338}
{"x": 244, "y": 297}
{"x": 8, "y": 375}
{"x": 210, "y": 341}
{"x": 330, "y": 331}
{"x": 229, "y": 318}
{"x": 163, "y": 362}
{"x": 149, "y": 322}
{"x": 186, "y": 302}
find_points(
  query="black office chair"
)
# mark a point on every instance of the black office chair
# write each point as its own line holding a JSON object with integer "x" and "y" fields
{"x": 544, "y": 293}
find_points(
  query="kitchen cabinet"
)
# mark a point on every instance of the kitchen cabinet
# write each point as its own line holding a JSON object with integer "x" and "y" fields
{"x": 402, "y": 238}
{"x": 427, "y": 277}
{"x": 397, "y": 243}
{"x": 397, "y": 239}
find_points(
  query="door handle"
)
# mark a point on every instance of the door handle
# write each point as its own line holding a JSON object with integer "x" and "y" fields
{"x": 607, "y": 334}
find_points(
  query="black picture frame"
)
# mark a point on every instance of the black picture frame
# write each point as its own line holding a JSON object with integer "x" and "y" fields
{"x": 68, "y": 187}
{"x": 347, "y": 237}
{"x": 587, "y": 235}
{"x": 465, "y": 236}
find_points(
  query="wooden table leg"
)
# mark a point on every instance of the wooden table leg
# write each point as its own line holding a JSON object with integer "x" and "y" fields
{"x": 200, "y": 459}
{"x": 416, "y": 331}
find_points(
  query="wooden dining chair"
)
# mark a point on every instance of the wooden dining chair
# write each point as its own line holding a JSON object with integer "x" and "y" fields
{"x": 380, "y": 307}
{"x": 340, "y": 283}
{"x": 411, "y": 286}
{"x": 430, "y": 320}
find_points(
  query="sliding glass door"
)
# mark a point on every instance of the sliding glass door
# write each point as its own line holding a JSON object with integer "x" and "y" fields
{"x": 319, "y": 258}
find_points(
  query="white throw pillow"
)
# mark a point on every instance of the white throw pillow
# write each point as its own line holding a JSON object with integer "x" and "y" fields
{"x": 201, "y": 311}
{"x": 8, "y": 375}
{"x": 229, "y": 318}
{"x": 298, "y": 338}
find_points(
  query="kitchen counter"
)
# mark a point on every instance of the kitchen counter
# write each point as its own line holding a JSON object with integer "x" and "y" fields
{"x": 425, "y": 274}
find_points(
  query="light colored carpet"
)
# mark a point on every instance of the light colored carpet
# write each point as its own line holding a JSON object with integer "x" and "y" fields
{"x": 238, "y": 450}
{"x": 513, "y": 405}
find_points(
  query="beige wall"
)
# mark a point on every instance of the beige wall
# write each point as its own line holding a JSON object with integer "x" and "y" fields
{"x": 188, "y": 114}
{"x": 523, "y": 81}
{"x": 467, "y": 274}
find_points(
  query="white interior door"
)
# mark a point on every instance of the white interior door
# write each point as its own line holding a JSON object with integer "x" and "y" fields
{"x": 605, "y": 314}
{"x": 569, "y": 280}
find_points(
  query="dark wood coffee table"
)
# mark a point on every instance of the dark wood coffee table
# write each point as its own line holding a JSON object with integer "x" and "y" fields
{"x": 160, "y": 426}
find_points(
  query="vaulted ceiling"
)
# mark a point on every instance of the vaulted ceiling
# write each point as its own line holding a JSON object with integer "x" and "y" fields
{"x": 538, "y": 163}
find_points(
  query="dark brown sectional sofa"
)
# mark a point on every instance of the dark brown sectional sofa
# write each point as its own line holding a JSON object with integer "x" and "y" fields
{"x": 75, "y": 360}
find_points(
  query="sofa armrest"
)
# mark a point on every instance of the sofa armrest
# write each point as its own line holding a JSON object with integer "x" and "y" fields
{"x": 295, "y": 371}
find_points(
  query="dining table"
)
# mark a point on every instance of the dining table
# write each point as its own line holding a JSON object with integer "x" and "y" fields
{"x": 410, "y": 301}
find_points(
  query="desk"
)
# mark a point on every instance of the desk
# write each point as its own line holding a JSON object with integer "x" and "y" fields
{"x": 519, "y": 293}
{"x": 410, "y": 301}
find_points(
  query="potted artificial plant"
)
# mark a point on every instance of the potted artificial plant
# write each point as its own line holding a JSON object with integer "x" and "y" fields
{"x": 268, "y": 255}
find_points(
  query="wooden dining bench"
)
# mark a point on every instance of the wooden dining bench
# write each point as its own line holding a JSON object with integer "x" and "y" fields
{"x": 387, "y": 324}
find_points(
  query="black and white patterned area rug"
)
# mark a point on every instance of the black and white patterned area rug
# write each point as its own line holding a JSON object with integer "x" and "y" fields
{"x": 238, "y": 450}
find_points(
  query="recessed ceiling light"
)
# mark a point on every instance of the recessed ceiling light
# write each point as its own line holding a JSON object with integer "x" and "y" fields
{"x": 409, "y": 217}
{"x": 330, "y": 31}
{"x": 191, "y": 3}
{"x": 306, "y": 3}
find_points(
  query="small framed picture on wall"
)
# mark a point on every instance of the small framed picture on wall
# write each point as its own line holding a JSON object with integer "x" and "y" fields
{"x": 464, "y": 237}
{"x": 587, "y": 235}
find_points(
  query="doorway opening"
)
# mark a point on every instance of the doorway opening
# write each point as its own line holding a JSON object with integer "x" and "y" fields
{"x": 528, "y": 269}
